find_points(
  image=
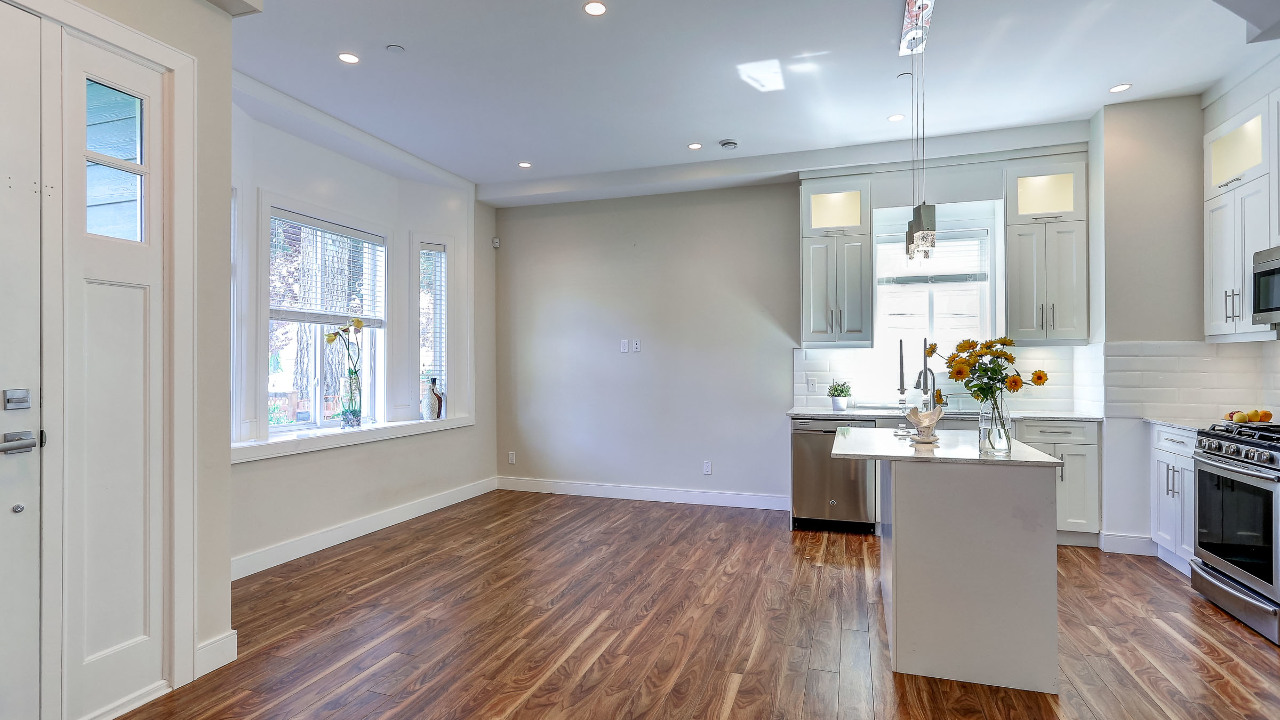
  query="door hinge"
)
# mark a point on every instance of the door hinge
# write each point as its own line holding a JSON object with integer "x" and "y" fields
{"x": 43, "y": 438}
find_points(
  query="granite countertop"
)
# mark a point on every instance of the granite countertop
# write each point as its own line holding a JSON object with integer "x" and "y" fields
{"x": 954, "y": 446}
{"x": 1192, "y": 424}
{"x": 878, "y": 413}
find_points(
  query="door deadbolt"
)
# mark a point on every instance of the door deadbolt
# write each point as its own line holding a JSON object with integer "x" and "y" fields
{"x": 833, "y": 502}
{"x": 19, "y": 508}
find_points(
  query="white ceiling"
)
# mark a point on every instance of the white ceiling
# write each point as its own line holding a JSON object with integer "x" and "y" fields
{"x": 485, "y": 84}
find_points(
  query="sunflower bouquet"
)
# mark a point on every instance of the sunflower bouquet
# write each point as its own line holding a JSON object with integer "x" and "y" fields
{"x": 987, "y": 371}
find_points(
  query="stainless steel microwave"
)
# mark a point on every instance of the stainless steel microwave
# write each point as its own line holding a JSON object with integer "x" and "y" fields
{"x": 1266, "y": 286}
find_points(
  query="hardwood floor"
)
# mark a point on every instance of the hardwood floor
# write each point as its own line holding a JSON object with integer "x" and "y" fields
{"x": 519, "y": 605}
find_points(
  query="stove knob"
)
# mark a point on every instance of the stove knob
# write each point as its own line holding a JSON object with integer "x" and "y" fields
{"x": 1250, "y": 453}
{"x": 1263, "y": 456}
{"x": 1233, "y": 449}
{"x": 1215, "y": 445}
{"x": 1202, "y": 443}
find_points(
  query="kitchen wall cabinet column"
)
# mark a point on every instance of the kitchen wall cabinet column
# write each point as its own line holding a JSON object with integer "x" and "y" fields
{"x": 1238, "y": 221}
{"x": 1047, "y": 253}
{"x": 838, "y": 263}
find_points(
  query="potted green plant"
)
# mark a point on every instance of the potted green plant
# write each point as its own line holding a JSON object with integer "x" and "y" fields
{"x": 839, "y": 394}
{"x": 350, "y": 392}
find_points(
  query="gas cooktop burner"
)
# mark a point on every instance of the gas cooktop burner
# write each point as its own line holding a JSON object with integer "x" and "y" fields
{"x": 1263, "y": 432}
{"x": 1252, "y": 443}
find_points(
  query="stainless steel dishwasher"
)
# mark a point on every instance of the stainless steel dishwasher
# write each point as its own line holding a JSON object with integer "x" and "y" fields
{"x": 828, "y": 493}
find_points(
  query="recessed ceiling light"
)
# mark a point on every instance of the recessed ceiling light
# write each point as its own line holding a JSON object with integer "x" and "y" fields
{"x": 393, "y": 48}
{"x": 525, "y": 165}
{"x": 595, "y": 7}
{"x": 695, "y": 146}
{"x": 1121, "y": 87}
{"x": 897, "y": 118}
{"x": 348, "y": 58}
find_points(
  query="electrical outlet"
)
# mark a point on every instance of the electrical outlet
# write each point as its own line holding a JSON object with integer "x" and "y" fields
{"x": 813, "y": 385}
{"x": 626, "y": 346}
{"x": 706, "y": 467}
{"x": 635, "y": 346}
{"x": 511, "y": 458}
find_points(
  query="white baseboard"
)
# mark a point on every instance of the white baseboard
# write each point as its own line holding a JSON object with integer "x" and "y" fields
{"x": 132, "y": 702}
{"x": 655, "y": 494}
{"x": 213, "y": 654}
{"x": 268, "y": 557}
{"x": 1077, "y": 539}
{"x": 1127, "y": 544}
{"x": 1175, "y": 560}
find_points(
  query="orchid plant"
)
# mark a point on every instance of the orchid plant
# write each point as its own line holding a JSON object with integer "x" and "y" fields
{"x": 351, "y": 401}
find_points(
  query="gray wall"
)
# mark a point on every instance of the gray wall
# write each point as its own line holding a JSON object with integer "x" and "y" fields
{"x": 708, "y": 281}
{"x": 1154, "y": 220}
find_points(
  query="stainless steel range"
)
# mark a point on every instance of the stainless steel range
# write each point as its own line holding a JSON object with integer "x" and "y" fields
{"x": 1237, "y": 551}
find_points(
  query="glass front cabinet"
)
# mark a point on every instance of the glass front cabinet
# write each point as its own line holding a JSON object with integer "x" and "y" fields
{"x": 1238, "y": 151}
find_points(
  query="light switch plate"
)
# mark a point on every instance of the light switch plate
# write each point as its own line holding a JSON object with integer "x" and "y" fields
{"x": 626, "y": 346}
{"x": 511, "y": 458}
{"x": 635, "y": 346}
{"x": 706, "y": 467}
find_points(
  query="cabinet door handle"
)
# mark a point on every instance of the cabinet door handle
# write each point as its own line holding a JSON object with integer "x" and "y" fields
{"x": 1041, "y": 316}
{"x": 839, "y": 320}
{"x": 1239, "y": 309}
{"x": 1166, "y": 480}
{"x": 831, "y": 320}
{"x": 1226, "y": 306}
{"x": 1062, "y": 469}
{"x": 1173, "y": 482}
{"x": 1053, "y": 316}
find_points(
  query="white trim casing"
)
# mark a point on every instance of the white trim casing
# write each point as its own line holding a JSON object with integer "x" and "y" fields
{"x": 1127, "y": 544}
{"x": 181, "y": 236}
{"x": 213, "y": 654}
{"x": 719, "y": 498}
{"x": 269, "y": 557}
{"x": 326, "y": 438}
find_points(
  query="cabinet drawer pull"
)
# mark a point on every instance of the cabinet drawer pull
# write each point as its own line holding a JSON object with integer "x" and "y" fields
{"x": 1178, "y": 442}
{"x": 1046, "y": 217}
{"x": 1232, "y": 180}
{"x": 1054, "y": 432}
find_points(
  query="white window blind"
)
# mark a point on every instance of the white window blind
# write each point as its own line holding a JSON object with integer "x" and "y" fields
{"x": 433, "y": 315}
{"x": 324, "y": 273}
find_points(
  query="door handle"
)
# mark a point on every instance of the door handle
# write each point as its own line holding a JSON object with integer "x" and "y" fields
{"x": 18, "y": 442}
{"x": 1041, "y": 316}
{"x": 839, "y": 320}
{"x": 1062, "y": 469}
{"x": 1226, "y": 306}
{"x": 1239, "y": 309}
{"x": 1053, "y": 316}
{"x": 831, "y": 320}
{"x": 1173, "y": 482}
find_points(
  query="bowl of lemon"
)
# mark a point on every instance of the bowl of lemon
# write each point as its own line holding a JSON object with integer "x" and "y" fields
{"x": 1252, "y": 416}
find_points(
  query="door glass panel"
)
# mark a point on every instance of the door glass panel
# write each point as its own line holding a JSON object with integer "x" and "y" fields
{"x": 1245, "y": 535}
{"x": 1043, "y": 194}
{"x": 113, "y": 123}
{"x": 113, "y": 203}
{"x": 1266, "y": 291}
{"x": 1240, "y": 150}
{"x": 843, "y": 209}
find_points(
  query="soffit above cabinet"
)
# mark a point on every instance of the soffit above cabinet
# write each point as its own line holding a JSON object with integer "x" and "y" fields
{"x": 239, "y": 8}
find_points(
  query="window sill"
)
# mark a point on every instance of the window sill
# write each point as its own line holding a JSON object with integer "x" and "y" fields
{"x": 302, "y": 441}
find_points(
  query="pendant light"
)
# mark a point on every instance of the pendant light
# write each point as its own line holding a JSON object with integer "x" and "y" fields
{"x": 922, "y": 230}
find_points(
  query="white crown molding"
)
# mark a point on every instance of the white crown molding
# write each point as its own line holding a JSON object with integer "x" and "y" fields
{"x": 767, "y": 169}
{"x": 285, "y": 112}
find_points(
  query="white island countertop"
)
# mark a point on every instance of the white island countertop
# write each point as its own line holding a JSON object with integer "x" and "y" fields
{"x": 954, "y": 446}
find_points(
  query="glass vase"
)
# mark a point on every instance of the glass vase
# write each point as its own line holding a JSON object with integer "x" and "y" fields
{"x": 351, "y": 401}
{"x": 994, "y": 437}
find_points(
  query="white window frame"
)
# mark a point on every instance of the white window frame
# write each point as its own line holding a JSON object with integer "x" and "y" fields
{"x": 401, "y": 403}
{"x": 374, "y": 400}
{"x": 437, "y": 244}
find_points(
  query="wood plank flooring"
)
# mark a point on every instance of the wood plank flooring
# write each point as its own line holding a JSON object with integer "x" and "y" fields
{"x": 520, "y": 605}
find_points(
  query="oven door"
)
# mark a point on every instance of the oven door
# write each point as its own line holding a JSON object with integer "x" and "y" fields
{"x": 1236, "y": 530}
{"x": 1266, "y": 287}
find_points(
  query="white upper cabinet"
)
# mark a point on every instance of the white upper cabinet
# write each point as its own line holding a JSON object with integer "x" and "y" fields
{"x": 1237, "y": 224}
{"x": 836, "y": 206}
{"x": 839, "y": 282}
{"x": 855, "y": 285}
{"x": 1047, "y": 268}
{"x": 1027, "y": 294}
{"x": 1067, "y": 280}
{"x": 1238, "y": 151}
{"x": 1046, "y": 193}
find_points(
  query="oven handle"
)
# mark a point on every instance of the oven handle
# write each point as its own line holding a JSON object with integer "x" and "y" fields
{"x": 1211, "y": 577}
{"x": 1268, "y": 477}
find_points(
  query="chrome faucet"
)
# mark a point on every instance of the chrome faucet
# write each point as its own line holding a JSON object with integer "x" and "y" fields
{"x": 927, "y": 383}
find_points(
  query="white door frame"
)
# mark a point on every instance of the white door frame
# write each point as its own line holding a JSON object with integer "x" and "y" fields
{"x": 180, "y": 238}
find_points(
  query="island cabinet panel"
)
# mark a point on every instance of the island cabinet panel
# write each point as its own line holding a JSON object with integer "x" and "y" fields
{"x": 1078, "y": 486}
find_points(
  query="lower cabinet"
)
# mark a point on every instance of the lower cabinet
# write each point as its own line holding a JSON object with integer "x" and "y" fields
{"x": 1078, "y": 486}
{"x": 1173, "y": 501}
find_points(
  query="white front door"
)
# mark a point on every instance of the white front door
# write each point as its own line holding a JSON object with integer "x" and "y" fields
{"x": 20, "y": 363}
{"x": 113, "y": 328}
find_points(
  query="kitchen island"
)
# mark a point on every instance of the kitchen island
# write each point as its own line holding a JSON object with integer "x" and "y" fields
{"x": 968, "y": 557}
